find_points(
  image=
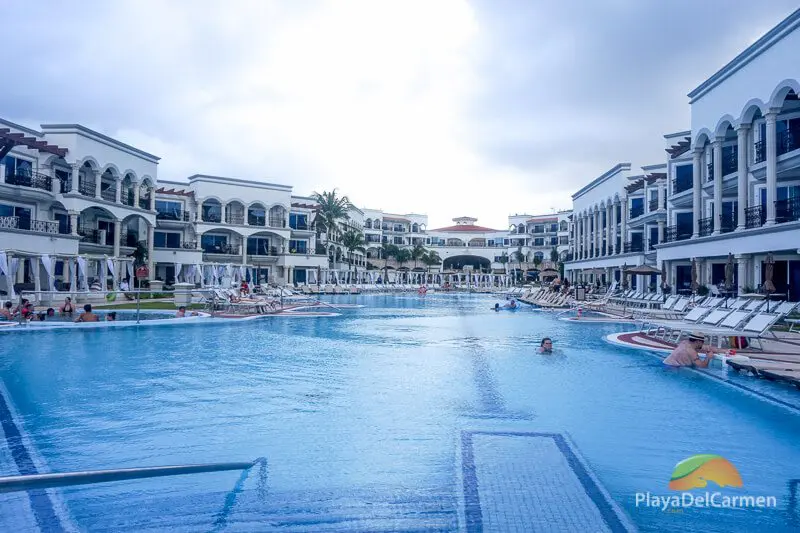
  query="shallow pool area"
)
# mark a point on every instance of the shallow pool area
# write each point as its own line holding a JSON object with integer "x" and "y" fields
{"x": 361, "y": 417}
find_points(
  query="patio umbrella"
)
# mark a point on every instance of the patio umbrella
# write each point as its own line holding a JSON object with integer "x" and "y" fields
{"x": 694, "y": 275}
{"x": 663, "y": 275}
{"x": 769, "y": 263}
{"x": 729, "y": 273}
{"x": 549, "y": 273}
{"x": 643, "y": 269}
{"x": 624, "y": 276}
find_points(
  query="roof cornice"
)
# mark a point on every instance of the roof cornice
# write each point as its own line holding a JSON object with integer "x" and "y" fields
{"x": 99, "y": 137}
{"x": 603, "y": 177}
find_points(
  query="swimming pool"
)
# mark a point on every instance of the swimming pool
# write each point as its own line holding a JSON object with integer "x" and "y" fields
{"x": 359, "y": 416}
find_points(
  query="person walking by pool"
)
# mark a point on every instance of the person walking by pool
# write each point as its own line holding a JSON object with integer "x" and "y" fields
{"x": 87, "y": 315}
{"x": 688, "y": 350}
{"x": 67, "y": 307}
{"x": 546, "y": 346}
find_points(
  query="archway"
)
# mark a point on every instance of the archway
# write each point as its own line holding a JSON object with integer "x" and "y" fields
{"x": 458, "y": 262}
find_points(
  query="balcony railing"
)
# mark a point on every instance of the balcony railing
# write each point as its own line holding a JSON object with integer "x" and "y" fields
{"x": 27, "y": 224}
{"x": 633, "y": 247}
{"x": 180, "y": 216}
{"x": 262, "y": 252}
{"x": 86, "y": 188}
{"x": 185, "y": 245}
{"x": 109, "y": 194}
{"x": 728, "y": 222}
{"x": 787, "y": 210}
{"x": 144, "y": 203}
{"x": 787, "y": 141}
{"x": 678, "y": 186}
{"x": 706, "y": 226}
{"x": 234, "y": 218}
{"x": 222, "y": 249}
{"x": 34, "y": 180}
{"x": 304, "y": 227}
{"x": 636, "y": 212}
{"x": 95, "y": 236}
{"x": 653, "y": 205}
{"x": 277, "y": 222}
{"x": 126, "y": 198}
{"x": 254, "y": 220}
{"x": 755, "y": 217}
{"x": 759, "y": 152}
{"x": 211, "y": 217}
{"x": 710, "y": 176}
{"x": 674, "y": 234}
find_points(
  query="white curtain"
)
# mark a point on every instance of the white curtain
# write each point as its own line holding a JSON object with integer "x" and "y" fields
{"x": 82, "y": 281}
{"x": 6, "y": 272}
{"x": 178, "y": 268}
{"x": 129, "y": 269}
{"x": 110, "y": 265}
{"x": 13, "y": 266}
{"x": 47, "y": 263}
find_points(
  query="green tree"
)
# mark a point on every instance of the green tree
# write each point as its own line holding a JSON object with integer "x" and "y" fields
{"x": 387, "y": 250}
{"x": 353, "y": 241}
{"x": 403, "y": 256}
{"x": 430, "y": 259}
{"x": 417, "y": 253}
{"x": 554, "y": 255}
{"x": 331, "y": 211}
{"x": 519, "y": 257}
{"x": 503, "y": 260}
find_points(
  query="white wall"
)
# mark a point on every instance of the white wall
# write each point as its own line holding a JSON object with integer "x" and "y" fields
{"x": 611, "y": 186}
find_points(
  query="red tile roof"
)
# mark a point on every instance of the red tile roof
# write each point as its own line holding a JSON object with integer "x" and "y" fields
{"x": 466, "y": 228}
{"x": 176, "y": 192}
{"x": 543, "y": 220}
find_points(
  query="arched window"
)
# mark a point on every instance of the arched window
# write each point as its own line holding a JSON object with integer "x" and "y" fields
{"x": 277, "y": 216}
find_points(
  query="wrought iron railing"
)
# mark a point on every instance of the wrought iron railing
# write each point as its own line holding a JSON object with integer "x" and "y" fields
{"x": 173, "y": 215}
{"x": 653, "y": 205}
{"x": 126, "y": 198}
{"x": 675, "y": 233}
{"x": 234, "y": 219}
{"x": 87, "y": 188}
{"x": 275, "y": 222}
{"x": 705, "y": 226}
{"x": 304, "y": 227}
{"x": 33, "y": 180}
{"x": 787, "y": 210}
{"x": 254, "y": 220}
{"x": 787, "y": 141}
{"x": 759, "y": 152}
{"x": 27, "y": 224}
{"x": 755, "y": 216}
{"x": 633, "y": 247}
{"x": 211, "y": 217}
{"x": 109, "y": 194}
{"x": 728, "y": 222}
{"x": 222, "y": 249}
{"x": 189, "y": 245}
{"x": 680, "y": 185}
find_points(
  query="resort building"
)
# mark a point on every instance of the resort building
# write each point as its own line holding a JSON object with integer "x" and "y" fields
{"x": 74, "y": 207}
{"x": 735, "y": 176}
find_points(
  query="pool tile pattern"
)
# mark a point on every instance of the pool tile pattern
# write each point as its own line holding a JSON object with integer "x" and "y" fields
{"x": 526, "y": 482}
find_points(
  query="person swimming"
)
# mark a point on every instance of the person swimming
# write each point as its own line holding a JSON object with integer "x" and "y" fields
{"x": 546, "y": 346}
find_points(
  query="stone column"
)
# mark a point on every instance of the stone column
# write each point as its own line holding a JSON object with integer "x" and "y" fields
{"x": 613, "y": 231}
{"x": 76, "y": 172}
{"x": 73, "y": 223}
{"x": 103, "y": 273}
{"x": 153, "y": 199}
{"x": 115, "y": 280}
{"x": 716, "y": 148}
{"x": 623, "y": 237}
{"x": 586, "y": 226}
{"x": 117, "y": 236}
{"x": 118, "y": 192}
{"x": 37, "y": 281}
{"x": 741, "y": 267}
{"x": 244, "y": 250}
{"x": 772, "y": 170}
{"x": 597, "y": 231}
{"x": 97, "y": 184}
{"x": 578, "y": 237}
{"x": 136, "y": 194}
{"x": 660, "y": 231}
{"x": 609, "y": 229}
{"x": 697, "y": 191}
{"x": 741, "y": 138}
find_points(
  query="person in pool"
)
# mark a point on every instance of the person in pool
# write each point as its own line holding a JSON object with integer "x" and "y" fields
{"x": 512, "y": 304}
{"x": 688, "y": 350}
{"x": 111, "y": 317}
{"x": 66, "y": 308}
{"x": 546, "y": 346}
{"x": 87, "y": 315}
{"x": 181, "y": 312}
{"x": 6, "y": 312}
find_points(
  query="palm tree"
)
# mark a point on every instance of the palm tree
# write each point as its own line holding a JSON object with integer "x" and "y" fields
{"x": 431, "y": 258}
{"x": 417, "y": 253}
{"x": 387, "y": 250}
{"x": 503, "y": 260}
{"x": 402, "y": 256}
{"x": 353, "y": 241}
{"x": 331, "y": 209}
{"x": 519, "y": 257}
{"x": 554, "y": 255}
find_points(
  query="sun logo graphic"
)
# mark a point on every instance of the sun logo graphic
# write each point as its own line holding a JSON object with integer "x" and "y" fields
{"x": 696, "y": 471}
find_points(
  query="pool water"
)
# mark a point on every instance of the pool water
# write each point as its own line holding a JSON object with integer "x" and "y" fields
{"x": 358, "y": 416}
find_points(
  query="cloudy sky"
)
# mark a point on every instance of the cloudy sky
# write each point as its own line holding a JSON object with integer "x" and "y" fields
{"x": 444, "y": 107}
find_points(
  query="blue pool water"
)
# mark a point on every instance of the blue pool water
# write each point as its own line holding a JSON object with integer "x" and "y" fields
{"x": 359, "y": 416}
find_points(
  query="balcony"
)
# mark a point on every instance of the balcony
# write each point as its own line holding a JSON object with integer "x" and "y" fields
{"x": 185, "y": 245}
{"x": 222, "y": 249}
{"x": 678, "y": 186}
{"x": 787, "y": 141}
{"x": 633, "y": 247}
{"x": 233, "y": 218}
{"x": 706, "y": 226}
{"x": 728, "y": 222}
{"x": 212, "y": 217}
{"x": 95, "y": 236}
{"x": 86, "y": 188}
{"x": 636, "y": 212}
{"x": 787, "y": 210}
{"x": 730, "y": 161}
{"x": 755, "y": 217}
{"x": 109, "y": 194}
{"x": 759, "y": 152}
{"x": 275, "y": 222}
{"x": 304, "y": 227}
{"x": 144, "y": 203}
{"x": 674, "y": 234}
{"x": 179, "y": 216}
{"x": 33, "y": 180}
{"x": 126, "y": 198}
{"x": 26, "y": 224}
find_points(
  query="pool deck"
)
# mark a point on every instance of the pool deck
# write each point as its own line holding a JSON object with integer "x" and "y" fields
{"x": 517, "y": 479}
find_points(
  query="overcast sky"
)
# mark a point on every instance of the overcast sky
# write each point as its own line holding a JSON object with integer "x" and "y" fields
{"x": 449, "y": 108}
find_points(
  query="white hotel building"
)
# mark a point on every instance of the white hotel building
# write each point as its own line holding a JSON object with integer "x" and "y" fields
{"x": 731, "y": 184}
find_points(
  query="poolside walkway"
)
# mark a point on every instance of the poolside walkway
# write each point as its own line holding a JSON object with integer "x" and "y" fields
{"x": 514, "y": 479}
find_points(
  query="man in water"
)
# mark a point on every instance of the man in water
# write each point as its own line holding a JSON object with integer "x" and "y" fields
{"x": 546, "y": 346}
{"x": 687, "y": 352}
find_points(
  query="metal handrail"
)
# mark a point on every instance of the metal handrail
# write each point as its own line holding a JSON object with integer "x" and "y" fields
{"x": 68, "y": 479}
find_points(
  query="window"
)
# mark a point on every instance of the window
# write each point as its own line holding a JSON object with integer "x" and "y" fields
{"x": 17, "y": 167}
{"x": 398, "y": 240}
{"x": 163, "y": 239}
{"x": 538, "y": 242}
{"x": 298, "y": 247}
{"x": 258, "y": 245}
{"x": 63, "y": 223}
{"x": 554, "y": 227}
{"x": 108, "y": 227}
{"x": 23, "y": 213}
{"x": 637, "y": 207}
{"x": 212, "y": 212}
{"x": 298, "y": 221}
{"x": 169, "y": 210}
{"x": 554, "y": 241}
{"x": 563, "y": 240}
{"x": 213, "y": 243}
